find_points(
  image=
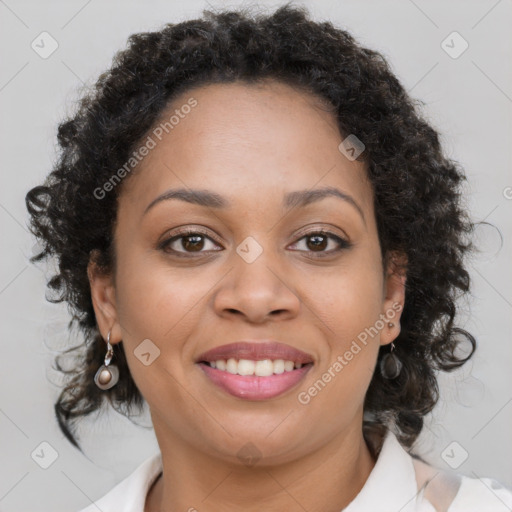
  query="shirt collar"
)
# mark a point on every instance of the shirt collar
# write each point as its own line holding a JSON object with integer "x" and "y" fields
{"x": 129, "y": 495}
{"x": 391, "y": 484}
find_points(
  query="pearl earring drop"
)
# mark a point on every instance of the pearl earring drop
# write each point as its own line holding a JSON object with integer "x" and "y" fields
{"x": 107, "y": 375}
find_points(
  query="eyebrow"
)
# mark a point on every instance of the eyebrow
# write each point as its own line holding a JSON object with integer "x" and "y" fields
{"x": 210, "y": 199}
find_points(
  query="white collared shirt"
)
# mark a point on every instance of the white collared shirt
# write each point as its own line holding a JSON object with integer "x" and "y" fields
{"x": 397, "y": 483}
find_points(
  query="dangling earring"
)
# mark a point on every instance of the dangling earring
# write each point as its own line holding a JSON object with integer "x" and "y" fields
{"x": 107, "y": 376}
{"x": 390, "y": 365}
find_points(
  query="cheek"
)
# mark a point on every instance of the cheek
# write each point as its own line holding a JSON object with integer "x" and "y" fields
{"x": 156, "y": 302}
{"x": 348, "y": 310}
{"x": 348, "y": 302}
{"x": 165, "y": 305}
{"x": 347, "y": 299}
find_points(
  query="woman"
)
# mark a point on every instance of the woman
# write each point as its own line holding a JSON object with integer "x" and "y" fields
{"x": 261, "y": 237}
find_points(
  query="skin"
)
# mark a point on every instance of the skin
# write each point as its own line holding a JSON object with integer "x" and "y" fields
{"x": 252, "y": 145}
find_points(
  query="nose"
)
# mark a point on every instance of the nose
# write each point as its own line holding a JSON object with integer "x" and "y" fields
{"x": 257, "y": 292}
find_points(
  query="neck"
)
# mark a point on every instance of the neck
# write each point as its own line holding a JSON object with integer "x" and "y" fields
{"x": 329, "y": 478}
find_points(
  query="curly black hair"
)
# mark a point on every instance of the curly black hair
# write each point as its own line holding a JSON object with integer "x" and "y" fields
{"x": 417, "y": 189}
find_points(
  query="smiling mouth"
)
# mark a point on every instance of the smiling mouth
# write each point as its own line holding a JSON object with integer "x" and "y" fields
{"x": 258, "y": 368}
{"x": 254, "y": 380}
{"x": 255, "y": 370}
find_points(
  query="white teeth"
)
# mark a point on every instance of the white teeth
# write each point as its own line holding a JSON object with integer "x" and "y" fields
{"x": 278, "y": 366}
{"x": 289, "y": 366}
{"x": 263, "y": 368}
{"x": 246, "y": 367}
{"x": 232, "y": 366}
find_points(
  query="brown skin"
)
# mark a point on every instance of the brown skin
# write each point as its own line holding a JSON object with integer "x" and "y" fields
{"x": 251, "y": 144}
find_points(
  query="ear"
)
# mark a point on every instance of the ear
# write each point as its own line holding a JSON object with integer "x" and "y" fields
{"x": 394, "y": 295}
{"x": 103, "y": 299}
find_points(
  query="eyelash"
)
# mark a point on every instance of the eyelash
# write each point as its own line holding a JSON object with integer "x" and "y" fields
{"x": 343, "y": 244}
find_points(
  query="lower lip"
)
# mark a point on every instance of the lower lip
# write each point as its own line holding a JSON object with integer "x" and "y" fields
{"x": 253, "y": 387}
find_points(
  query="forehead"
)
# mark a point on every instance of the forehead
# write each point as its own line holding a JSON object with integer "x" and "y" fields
{"x": 243, "y": 140}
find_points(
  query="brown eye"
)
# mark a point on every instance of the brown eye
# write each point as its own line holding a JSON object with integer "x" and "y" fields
{"x": 187, "y": 243}
{"x": 192, "y": 242}
{"x": 319, "y": 241}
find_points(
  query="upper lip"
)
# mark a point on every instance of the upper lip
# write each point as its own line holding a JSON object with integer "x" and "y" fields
{"x": 256, "y": 351}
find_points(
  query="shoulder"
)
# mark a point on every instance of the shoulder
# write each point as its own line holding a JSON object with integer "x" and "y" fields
{"x": 129, "y": 495}
{"x": 452, "y": 492}
{"x": 482, "y": 494}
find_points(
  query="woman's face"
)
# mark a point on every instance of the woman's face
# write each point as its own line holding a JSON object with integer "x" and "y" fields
{"x": 255, "y": 269}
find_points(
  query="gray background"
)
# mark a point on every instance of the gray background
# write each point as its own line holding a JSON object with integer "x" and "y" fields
{"x": 469, "y": 99}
